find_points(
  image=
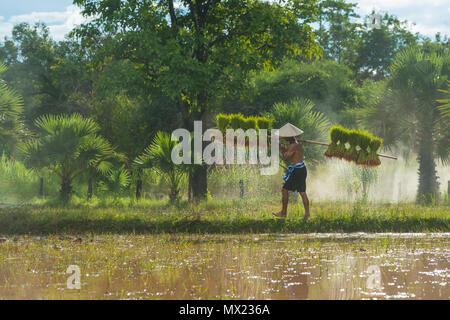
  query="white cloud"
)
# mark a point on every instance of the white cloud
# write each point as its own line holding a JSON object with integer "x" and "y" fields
{"x": 430, "y": 31}
{"x": 59, "y": 23}
{"x": 367, "y": 5}
{"x": 429, "y": 16}
{"x": 5, "y": 29}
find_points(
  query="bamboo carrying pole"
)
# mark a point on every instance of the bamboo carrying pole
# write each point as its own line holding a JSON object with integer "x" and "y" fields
{"x": 325, "y": 144}
{"x": 322, "y": 144}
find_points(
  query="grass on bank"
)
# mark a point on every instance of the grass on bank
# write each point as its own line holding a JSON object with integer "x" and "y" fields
{"x": 237, "y": 216}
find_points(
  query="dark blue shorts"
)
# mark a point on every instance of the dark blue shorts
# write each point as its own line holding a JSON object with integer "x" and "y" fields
{"x": 297, "y": 180}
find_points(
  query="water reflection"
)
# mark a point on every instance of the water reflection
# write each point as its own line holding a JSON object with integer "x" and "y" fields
{"x": 333, "y": 266}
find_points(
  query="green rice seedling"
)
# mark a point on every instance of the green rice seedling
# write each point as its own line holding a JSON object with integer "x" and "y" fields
{"x": 335, "y": 136}
{"x": 236, "y": 121}
{"x": 223, "y": 121}
{"x": 364, "y": 141}
{"x": 353, "y": 140}
{"x": 243, "y": 123}
{"x": 343, "y": 139}
{"x": 250, "y": 123}
{"x": 264, "y": 123}
{"x": 373, "y": 159}
{"x": 246, "y": 124}
{"x": 360, "y": 143}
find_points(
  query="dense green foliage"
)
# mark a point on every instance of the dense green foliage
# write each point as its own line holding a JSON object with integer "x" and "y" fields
{"x": 198, "y": 54}
{"x": 19, "y": 184}
{"x": 141, "y": 67}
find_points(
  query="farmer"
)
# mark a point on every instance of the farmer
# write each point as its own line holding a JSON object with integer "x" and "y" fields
{"x": 295, "y": 178}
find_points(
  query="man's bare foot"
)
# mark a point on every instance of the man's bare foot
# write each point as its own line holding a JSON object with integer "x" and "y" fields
{"x": 279, "y": 215}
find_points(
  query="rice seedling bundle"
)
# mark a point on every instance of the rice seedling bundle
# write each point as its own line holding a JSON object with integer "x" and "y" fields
{"x": 250, "y": 123}
{"x": 364, "y": 142}
{"x": 342, "y": 146}
{"x": 223, "y": 120}
{"x": 238, "y": 121}
{"x": 263, "y": 123}
{"x": 337, "y": 148}
{"x": 351, "y": 154}
{"x": 356, "y": 146}
{"x": 373, "y": 160}
{"x": 335, "y": 135}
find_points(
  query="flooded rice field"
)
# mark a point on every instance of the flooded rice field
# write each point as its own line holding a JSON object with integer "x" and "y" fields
{"x": 315, "y": 266}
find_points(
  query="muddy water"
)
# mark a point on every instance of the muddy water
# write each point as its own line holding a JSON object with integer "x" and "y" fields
{"x": 326, "y": 266}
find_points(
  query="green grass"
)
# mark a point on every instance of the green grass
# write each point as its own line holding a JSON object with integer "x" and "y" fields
{"x": 234, "y": 217}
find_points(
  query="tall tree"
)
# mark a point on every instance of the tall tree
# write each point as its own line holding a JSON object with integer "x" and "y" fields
{"x": 326, "y": 83}
{"x": 378, "y": 45}
{"x": 408, "y": 112}
{"x": 53, "y": 77}
{"x": 337, "y": 32}
{"x": 198, "y": 52}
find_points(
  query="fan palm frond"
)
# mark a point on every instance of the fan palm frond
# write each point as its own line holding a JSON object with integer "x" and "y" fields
{"x": 11, "y": 107}
{"x": 159, "y": 157}
{"x": 300, "y": 112}
{"x": 69, "y": 146}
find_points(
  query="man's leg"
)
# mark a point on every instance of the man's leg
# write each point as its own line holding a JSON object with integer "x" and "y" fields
{"x": 284, "y": 200}
{"x": 305, "y": 204}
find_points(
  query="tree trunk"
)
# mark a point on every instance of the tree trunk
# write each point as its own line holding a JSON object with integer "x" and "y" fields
{"x": 190, "y": 186}
{"x": 139, "y": 189}
{"x": 199, "y": 183}
{"x": 139, "y": 184}
{"x": 448, "y": 189}
{"x": 89, "y": 192}
{"x": 66, "y": 190}
{"x": 428, "y": 185}
{"x": 173, "y": 196}
{"x": 41, "y": 188}
{"x": 198, "y": 179}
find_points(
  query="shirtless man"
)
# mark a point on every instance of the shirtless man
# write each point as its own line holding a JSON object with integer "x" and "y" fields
{"x": 295, "y": 178}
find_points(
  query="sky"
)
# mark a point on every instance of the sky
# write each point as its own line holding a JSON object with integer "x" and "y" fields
{"x": 429, "y": 16}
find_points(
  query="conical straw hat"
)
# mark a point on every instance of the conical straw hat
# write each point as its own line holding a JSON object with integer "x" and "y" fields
{"x": 289, "y": 130}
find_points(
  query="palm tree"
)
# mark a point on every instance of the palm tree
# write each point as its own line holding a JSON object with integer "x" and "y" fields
{"x": 300, "y": 112}
{"x": 444, "y": 142}
{"x": 158, "y": 156}
{"x": 11, "y": 127}
{"x": 407, "y": 112}
{"x": 68, "y": 146}
{"x": 116, "y": 181}
{"x": 445, "y": 108}
{"x": 113, "y": 177}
